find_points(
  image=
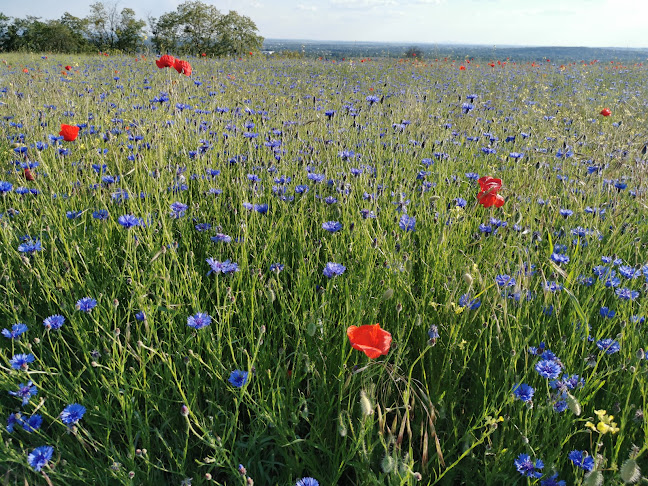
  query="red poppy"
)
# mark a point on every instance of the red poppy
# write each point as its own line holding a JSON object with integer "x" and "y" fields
{"x": 67, "y": 68}
{"x": 488, "y": 196}
{"x": 183, "y": 67}
{"x": 488, "y": 199}
{"x": 462, "y": 68}
{"x": 606, "y": 112}
{"x": 165, "y": 61}
{"x": 204, "y": 54}
{"x": 490, "y": 184}
{"x": 369, "y": 339}
{"x": 69, "y": 132}
{"x": 28, "y": 175}
{"x": 25, "y": 70}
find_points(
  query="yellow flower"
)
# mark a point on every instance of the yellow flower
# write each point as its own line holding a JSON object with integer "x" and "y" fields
{"x": 605, "y": 424}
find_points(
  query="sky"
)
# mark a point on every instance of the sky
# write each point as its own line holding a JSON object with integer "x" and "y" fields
{"x": 591, "y": 23}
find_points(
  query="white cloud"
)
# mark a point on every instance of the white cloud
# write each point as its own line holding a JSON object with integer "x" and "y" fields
{"x": 364, "y": 3}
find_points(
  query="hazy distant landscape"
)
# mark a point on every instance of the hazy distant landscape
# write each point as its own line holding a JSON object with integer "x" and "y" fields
{"x": 340, "y": 49}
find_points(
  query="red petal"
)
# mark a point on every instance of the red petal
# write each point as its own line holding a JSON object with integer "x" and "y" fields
{"x": 369, "y": 339}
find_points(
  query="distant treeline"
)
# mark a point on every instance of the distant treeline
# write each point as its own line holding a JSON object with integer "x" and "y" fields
{"x": 194, "y": 28}
{"x": 340, "y": 50}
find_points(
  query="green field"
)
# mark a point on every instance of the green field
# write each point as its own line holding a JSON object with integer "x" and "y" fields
{"x": 243, "y": 163}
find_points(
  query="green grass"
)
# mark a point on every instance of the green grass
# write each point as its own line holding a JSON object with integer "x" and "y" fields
{"x": 443, "y": 412}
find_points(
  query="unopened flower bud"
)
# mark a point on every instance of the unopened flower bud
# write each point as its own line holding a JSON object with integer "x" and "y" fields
{"x": 630, "y": 472}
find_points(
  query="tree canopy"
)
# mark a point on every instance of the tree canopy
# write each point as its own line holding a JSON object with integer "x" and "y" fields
{"x": 193, "y": 28}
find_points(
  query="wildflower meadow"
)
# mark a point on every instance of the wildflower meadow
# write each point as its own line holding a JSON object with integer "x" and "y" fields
{"x": 308, "y": 272}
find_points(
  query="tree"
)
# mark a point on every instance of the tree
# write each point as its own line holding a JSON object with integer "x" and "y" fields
{"x": 192, "y": 28}
{"x": 238, "y": 35}
{"x": 111, "y": 29}
{"x": 102, "y": 22}
{"x": 414, "y": 52}
{"x": 4, "y": 25}
{"x": 196, "y": 27}
{"x": 129, "y": 31}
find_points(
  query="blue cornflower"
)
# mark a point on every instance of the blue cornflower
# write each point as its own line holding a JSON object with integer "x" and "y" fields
{"x": 332, "y": 226}
{"x": 30, "y": 247}
{"x": 202, "y": 227}
{"x": 25, "y": 391}
{"x": 567, "y": 383}
{"x": 549, "y": 355}
{"x": 39, "y": 457}
{"x": 178, "y": 210}
{"x": 220, "y": 237}
{"x": 33, "y": 423}
{"x": 86, "y": 304}
{"x": 526, "y": 467}
{"x": 199, "y": 320}
{"x": 553, "y": 481}
{"x": 407, "y": 223}
{"x": 524, "y": 392}
{"x": 610, "y": 346}
{"x": 276, "y": 267}
{"x": 73, "y": 214}
{"x": 466, "y": 107}
{"x": 372, "y": 99}
{"x": 307, "y": 482}
{"x": 330, "y": 200}
{"x": 485, "y": 228}
{"x": 582, "y": 459}
{"x": 516, "y": 155}
{"x": 559, "y": 258}
{"x": 225, "y": 267}
{"x": 21, "y": 361}
{"x": 565, "y": 213}
{"x": 626, "y": 294}
{"x": 238, "y": 378}
{"x": 72, "y": 414}
{"x": 301, "y": 189}
{"x": 548, "y": 368}
{"x": 560, "y": 406}
{"x": 128, "y": 221}
{"x": 605, "y": 312}
{"x": 54, "y": 322}
{"x": 629, "y": 272}
{"x": 101, "y": 214}
{"x": 552, "y": 287}
{"x": 140, "y": 316}
{"x": 12, "y": 421}
{"x": 5, "y": 187}
{"x": 461, "y": 202}
{"x": 465, "y": 301}
{"x": 16, "y": 331}
{"x": 433, "y": 332}
{"x": 333, "y": 269}
{"x": 505, "y": 280}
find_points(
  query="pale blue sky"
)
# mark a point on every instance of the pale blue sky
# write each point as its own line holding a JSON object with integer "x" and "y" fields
{"x": 615, "y": 23}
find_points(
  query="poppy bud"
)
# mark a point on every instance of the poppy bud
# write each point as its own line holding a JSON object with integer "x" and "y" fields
{"x": 593, "y": 478}
{"x": 184, "y": 411}
{"x": 387, "y": 464}
{"x": 630, "y": 472}
{"x": 573, "y": 404}
{"x": 365, "y": 404}
{"x": 468, "y": 278}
